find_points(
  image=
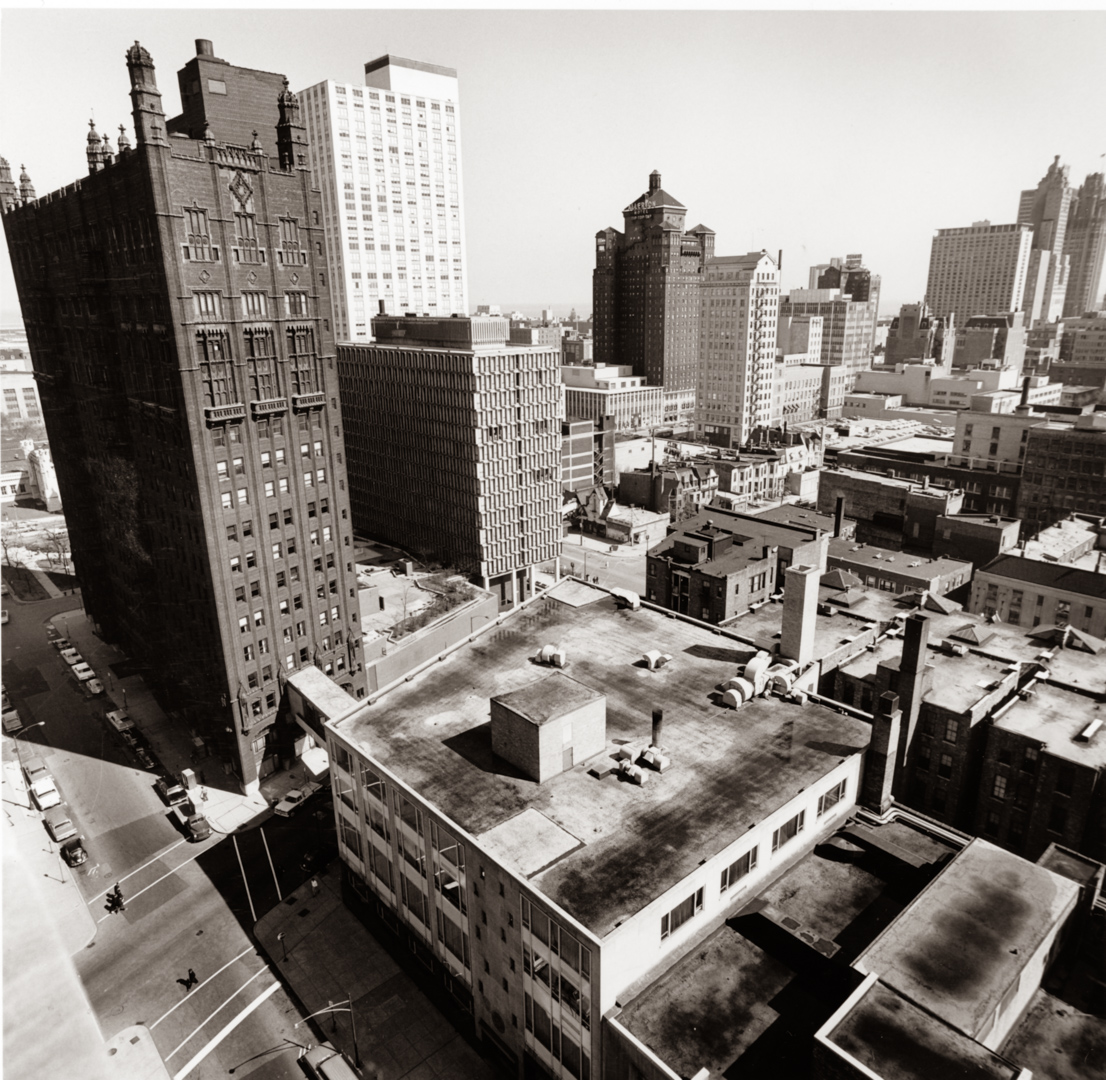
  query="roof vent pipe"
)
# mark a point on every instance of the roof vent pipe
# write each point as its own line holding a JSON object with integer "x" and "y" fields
{"x": 204, "y": 47}
{"x": 658, "y": 726}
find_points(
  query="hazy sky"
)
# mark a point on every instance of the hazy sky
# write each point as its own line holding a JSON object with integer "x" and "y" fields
{"x": 821, "y": 133}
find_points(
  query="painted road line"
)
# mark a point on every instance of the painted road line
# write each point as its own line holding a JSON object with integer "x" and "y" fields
{"x": 248, "y": 949}
{"x": 256, "y": 1003}
{"x": 134, "y": 896}
{"x": 139, "y": 869}
{"x": 201, "y": 1025}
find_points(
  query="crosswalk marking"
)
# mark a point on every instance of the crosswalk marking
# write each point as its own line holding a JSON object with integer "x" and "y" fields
{"x": 256, "y": 1003}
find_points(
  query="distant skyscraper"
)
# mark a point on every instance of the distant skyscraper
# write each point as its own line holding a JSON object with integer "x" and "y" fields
{"x": 1086, "y": 245}
{"x": 387, "y": 158}
{"x": 915, "y": 334}
{"x": 1045, "y": 208}
{"x": 186, "y": 370}
{"x": 646, "y": 291}
{"x": 737, "y": 336}
{"x": 453, "y": 443}
{"x": 979, "y": 270}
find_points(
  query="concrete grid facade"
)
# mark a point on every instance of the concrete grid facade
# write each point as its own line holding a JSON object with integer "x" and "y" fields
{"x": 178, "y": 319}
{"x": 454, "y": 444}
{"x": 979, "y": 270}
{"x": 387, "y": 159}
{"x": 737, "y": 347}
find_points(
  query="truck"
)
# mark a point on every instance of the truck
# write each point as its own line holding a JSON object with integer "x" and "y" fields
{"x": 192, "y": 823}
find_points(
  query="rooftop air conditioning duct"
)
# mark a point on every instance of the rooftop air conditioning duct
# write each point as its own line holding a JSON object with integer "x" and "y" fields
{"x": 553, "y": 656}
{"x": 1089, "y": 731}
{"x": 654, "y": 659}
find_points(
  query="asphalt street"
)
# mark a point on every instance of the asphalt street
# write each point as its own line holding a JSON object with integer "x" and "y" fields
{"x": 614, "y": 570}
{"x": 188, "y": 905}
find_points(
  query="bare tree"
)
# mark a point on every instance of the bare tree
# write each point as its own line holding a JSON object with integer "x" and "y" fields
{"x": 58, "y": 540}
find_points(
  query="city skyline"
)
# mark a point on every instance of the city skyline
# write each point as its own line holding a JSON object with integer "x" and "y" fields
{"x": 566, "y": 111}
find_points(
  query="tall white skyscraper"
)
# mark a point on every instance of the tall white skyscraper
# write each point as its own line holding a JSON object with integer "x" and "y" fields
{"x": 387, "y": 158}
{"x": 981, "y": 270}
{"x": 740, "y": 303}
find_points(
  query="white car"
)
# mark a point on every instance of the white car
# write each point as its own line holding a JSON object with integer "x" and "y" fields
{"x": 71, "y": 657}
{"x": 95, "y": 686}
{"x": 119, "y": 720}
{"x": 4, "y": 617}
{"x": 44, "y": 793}
{"x": 59, "y": 824}
{"x": 291, "y": 802}
{"x": 61, "y": 643}
{"x": 83, "y": 672}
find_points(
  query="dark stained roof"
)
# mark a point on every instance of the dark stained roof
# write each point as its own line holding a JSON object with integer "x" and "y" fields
{"x": 1050, "y": 575}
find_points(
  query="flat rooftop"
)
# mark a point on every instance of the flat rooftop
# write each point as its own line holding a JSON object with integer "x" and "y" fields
{"x": 899, "y": 1041}
{"x": 618, "y": 846}
{"x": 919, "y": 444}
{"x": 969, "y": 935}
{"x": 896, "y": 562}
{"x": 1055, "y": 717}
{"x": 744, "y": 994}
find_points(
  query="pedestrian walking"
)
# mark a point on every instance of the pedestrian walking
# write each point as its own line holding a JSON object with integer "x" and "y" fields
{"x": 314, "y": 886}
{"x": 192, "y": 980}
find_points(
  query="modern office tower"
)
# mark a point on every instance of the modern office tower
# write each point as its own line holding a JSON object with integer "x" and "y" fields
{"x": 740, "y": 297}
{"x": 387, "y": 158}
{"x": 177, "y": 312}
{"x": 979, "y": 270}
{"x": 646, "y": 293}
{"x": 1085, "y": 243}
{"x": 1046, "y": 207}
{"x": 453, "y": 437}
{"x": 916, "y": 334}
{"x": 848, "y": 326}
{"x": 596, "y": 391}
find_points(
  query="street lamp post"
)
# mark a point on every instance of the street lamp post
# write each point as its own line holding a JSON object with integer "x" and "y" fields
{"x": 342, "y": 1006}
{"x": 20, "y": 734}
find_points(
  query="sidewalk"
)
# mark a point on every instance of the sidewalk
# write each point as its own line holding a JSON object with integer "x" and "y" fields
{"x": 227, "y": 811}
{"x": 328, "y": 955}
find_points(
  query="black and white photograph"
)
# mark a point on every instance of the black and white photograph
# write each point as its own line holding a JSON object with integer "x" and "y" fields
{"x": 549, "y": 543}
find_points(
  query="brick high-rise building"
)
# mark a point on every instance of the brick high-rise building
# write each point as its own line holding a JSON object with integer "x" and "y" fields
{"x": 453, "y": 437}
{"x": 178, "y": 316}
{"x": 389, "y": 237}
{"x": 978, "y": 270}
{"x": 1086, "y": 244}
{"x": 645, "y": 289}
{"x": 737, "y": 352}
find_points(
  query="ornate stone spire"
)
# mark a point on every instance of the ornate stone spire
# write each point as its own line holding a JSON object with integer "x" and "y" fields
{"x": 291, "y": 134}
{"x": 94, "y": 153}
{"x": 255, "y": 144}
{"x": 107, "y": 154}
{"x": 9, "y": 193}
{"x": 149, "y": 118}
{"x": 26, "y": 188}
{"x": 124, "y": 142}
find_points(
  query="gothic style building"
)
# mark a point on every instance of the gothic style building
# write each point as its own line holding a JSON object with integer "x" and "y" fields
{"x": 646, "y": 292}
{"x": 178, "y": 314}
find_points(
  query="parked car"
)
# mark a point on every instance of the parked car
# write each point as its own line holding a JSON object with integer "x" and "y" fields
{"x": 61, "y": 643}
{"x": 4, "y": 617}
{"x": 291, "y": 802}
{"x": 324, "y": 1062}
{"x": 59, "y": 824}
{"x": 95, "y": 686}
{"x": 34, "y": 768}
{"x": 119, "y": 720}
{"x": 73, "y": 852}
{"x": 83, "y": 672}
{"x": 171, "y": 791}
{"x": 4, "y": 699}
{"x": 145, "y": 758}
{"x": 71, "y": 657}
{"x": 4, "y": 590}
{"x": 44, "y": 793}
{"x": 12, "y": 721}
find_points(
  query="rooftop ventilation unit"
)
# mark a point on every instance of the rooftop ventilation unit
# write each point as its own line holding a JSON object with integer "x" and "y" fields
{"x": 954, "y": 648}
{"x": 627, "y": 598}
{"x": 654, "y": 659}
{"x": 1089, "y": 731}
{"x": 552, "y": 656}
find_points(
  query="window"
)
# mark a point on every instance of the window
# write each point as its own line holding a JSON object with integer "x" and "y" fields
{"x": 952, "y": 729}
{"x": 228, "y": 500}
{"x": 1065, "y": 779}
{"x": 944, "y": 766}
{"x": 998, "y": 791}
{"x": 243, "y": 496}
{"x": 207, "y": 305}
{"x": 681, "y": 913}
{"x": 737, "y": 870}
{"x": 831, "y": 798}
{"x": 789, "y": 831}
{"x": 254, "y": 305}
{"x": 276, "y": 551}
{"x": 199, "y": 246}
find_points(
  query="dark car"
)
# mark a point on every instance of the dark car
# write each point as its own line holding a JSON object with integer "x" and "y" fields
{"x": 145, "y": 758}
{"x": 73, "y": 852}
{"x": 171, "y": 792}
